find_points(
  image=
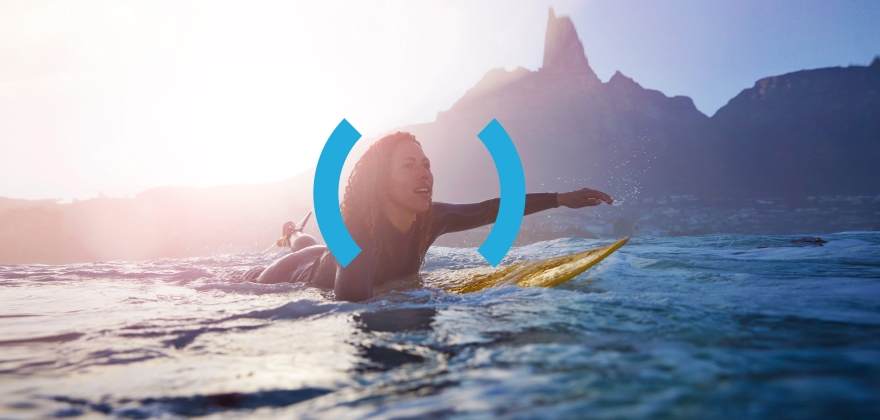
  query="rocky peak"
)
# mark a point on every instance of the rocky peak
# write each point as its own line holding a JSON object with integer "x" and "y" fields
{"x": 563, "y": 51}
{"x": 619, "y": 79}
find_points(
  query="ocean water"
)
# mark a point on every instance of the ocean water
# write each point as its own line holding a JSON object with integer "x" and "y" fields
{"x": 690, "y": 327}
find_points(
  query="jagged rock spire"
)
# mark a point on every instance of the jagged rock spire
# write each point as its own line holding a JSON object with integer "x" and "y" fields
{"x": 563, "y": 51}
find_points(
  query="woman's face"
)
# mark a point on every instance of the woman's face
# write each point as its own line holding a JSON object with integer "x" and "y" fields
{"x": 412, "y": 183}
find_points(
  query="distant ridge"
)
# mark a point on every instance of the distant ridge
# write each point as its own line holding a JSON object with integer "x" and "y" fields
{"x": 810, "y": 132}
{"x": 165, "y": 222}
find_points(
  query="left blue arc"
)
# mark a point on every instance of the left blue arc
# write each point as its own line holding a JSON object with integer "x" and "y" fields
{"x": 325, "y": 193}
{"x": 512, "y": 181}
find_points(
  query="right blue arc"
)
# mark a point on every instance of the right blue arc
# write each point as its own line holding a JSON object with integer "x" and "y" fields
{"x": 513, "y": 193}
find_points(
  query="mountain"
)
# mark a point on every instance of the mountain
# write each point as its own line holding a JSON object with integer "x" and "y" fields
{"x": 807, "y": 133}
{"x": 570, "y": 129}
{"x": 812, "y": 132}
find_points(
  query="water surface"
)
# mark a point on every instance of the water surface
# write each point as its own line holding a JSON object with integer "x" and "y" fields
{"x": 690, "y": 327}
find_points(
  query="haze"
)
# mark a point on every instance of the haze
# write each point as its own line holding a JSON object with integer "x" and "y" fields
{"x": 118, "y": 97}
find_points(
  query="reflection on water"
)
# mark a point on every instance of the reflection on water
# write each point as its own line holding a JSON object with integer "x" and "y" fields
{"x": 382, "y": 358}
{"x": 396, "y": 320}
{"x": 710, "y": 327}
{"x": 198, "y": 405}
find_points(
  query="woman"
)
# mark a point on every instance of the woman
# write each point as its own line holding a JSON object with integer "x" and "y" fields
{"x": 387, "y": 208}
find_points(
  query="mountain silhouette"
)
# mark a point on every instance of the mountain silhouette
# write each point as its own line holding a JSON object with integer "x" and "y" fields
{"x": 570, "y": 129}
{"x": 812, "y": 132}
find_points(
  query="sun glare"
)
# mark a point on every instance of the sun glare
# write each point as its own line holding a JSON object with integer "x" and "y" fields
{"x": 119, "y": 97}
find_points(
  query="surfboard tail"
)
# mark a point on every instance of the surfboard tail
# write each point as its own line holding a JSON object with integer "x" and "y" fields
{"x": 302, "y": 223}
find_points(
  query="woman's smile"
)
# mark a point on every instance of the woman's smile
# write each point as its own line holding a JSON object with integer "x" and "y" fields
{"x": 424, "y": 192}
{"x": 412, "y": 183}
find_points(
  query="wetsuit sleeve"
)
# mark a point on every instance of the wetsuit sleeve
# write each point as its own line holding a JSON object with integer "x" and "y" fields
{"x": 354, "y": 282}
{"x": 459, "y": 217}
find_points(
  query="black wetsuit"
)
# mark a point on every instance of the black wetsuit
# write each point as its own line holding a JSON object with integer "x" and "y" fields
{"x": 316, "y": 265}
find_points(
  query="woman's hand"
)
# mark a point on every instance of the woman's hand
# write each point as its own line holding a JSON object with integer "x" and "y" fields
{"x": 582, "y": 198}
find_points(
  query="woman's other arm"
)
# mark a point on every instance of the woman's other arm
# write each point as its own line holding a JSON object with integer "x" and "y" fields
{"x": 354, "y": 282}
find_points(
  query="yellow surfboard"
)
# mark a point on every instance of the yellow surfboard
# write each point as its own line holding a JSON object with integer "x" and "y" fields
{"x": 548, "y": 272}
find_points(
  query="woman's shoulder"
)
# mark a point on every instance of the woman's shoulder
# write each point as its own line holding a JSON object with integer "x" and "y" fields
{"x": 439, "y": 208}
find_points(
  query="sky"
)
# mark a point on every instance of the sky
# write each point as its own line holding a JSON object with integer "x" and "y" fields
{"x": 116, "y": 97}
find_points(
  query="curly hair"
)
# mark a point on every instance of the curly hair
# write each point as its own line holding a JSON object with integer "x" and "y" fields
{"x": 367, "y": 190}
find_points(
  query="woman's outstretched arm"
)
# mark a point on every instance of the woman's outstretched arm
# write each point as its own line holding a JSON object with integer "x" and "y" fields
{"x": 458, "y": 217}
{"x": 583, "y": 198}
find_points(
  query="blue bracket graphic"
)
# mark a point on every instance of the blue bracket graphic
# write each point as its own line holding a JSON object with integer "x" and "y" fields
{"x": 512, "y": 180}
{"x": 325, "y": 193}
